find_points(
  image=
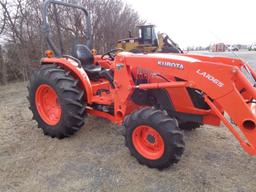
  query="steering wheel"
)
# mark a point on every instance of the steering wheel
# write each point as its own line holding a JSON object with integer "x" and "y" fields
{"x": 111, "y": 54}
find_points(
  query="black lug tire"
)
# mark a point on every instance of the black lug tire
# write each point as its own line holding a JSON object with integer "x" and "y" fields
{"x": 70, "y": 96}
{"x": 165, "y": 126}
{"x": 189, "y": 126}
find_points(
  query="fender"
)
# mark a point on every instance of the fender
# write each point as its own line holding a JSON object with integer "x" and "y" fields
{"x": 79, "y": 72}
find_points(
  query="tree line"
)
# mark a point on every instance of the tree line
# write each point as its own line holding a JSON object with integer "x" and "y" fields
{"x": 22, "y": 42}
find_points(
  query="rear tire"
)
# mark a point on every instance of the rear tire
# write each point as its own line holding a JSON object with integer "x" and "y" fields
{"x": 153, "y": 138}
{"x": 69, "y": 96}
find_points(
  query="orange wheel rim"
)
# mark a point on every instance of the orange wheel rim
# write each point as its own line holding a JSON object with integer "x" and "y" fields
{"x": 47, "y": 104}
{"x": 148, "y": 142}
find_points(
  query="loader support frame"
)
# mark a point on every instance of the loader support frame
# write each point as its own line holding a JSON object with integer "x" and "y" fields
{"x": 246, "y": 146}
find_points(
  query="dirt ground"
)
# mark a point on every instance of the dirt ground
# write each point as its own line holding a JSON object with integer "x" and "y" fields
{"x": 95, "y": 159}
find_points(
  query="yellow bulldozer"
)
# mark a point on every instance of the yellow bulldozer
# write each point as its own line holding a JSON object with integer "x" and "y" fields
{"x": 149, "y": 41}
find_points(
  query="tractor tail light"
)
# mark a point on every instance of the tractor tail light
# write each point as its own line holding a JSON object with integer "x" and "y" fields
{"x": 49, "y": 53}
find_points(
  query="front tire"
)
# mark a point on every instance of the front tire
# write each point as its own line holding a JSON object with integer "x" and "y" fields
{"x": 154, "y": 138}
{"x": 56, "y": 101}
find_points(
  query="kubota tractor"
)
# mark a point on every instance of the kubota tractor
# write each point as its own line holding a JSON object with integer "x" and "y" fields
{"x": 153, "y": 95}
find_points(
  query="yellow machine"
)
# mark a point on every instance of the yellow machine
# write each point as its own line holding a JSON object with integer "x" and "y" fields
{"x": 149, "y": 42}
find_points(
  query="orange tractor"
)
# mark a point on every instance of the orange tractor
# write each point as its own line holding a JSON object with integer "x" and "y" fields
{"x": 154, "y": 96}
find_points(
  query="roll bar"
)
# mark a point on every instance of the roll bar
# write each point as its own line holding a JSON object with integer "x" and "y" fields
{"x": 46, "y": 26}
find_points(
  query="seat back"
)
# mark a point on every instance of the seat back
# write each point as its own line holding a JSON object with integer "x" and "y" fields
{"x": 83, "y": 53}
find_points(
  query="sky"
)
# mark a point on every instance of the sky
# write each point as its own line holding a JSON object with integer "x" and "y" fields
{"x": 201, "y": 22}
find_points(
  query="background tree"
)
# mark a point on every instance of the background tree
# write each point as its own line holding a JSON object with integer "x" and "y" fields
{"x": 23, "y": 41}
{"x": 3, "y": 71}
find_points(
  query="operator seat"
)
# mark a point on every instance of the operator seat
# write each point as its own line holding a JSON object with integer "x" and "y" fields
{"x": 94, "y": 72}
{"x": 83, "y": 53}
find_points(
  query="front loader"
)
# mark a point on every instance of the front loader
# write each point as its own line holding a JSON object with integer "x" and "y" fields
{"x": 154, "y": 96}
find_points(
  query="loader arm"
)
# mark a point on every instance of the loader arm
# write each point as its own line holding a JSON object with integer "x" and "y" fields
{"x": 222, "y": 82}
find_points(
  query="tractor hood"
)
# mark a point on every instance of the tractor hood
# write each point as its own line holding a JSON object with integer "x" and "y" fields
{"x": 188, "y": 58}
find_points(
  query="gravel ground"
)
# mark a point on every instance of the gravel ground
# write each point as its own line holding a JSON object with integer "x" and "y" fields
{"x": 95, "y": 159}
